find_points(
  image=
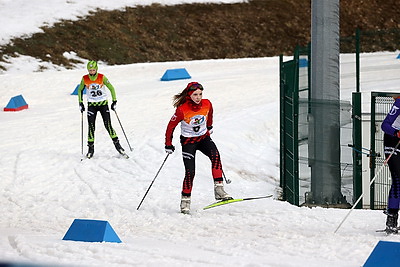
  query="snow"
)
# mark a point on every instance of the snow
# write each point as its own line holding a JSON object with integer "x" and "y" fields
{"x": 45, "y": 185}
{"x": 19, "y": 18}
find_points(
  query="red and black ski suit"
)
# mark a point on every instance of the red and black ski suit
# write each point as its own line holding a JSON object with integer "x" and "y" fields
{"x": 196, "y": 120}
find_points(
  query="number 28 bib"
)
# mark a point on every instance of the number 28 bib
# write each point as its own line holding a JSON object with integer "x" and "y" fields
{"x": 95, "y": 90}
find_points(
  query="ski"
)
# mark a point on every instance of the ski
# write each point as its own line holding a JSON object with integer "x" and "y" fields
{"x": 384, "y": 231}
{"x": 224, "y": 202}
{"x": 124, "y": 155}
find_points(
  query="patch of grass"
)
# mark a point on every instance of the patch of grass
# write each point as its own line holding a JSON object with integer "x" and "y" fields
{"x": 157, "y": 33}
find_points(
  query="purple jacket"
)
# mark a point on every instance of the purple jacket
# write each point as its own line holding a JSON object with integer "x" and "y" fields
{"x": 391, "y": 124}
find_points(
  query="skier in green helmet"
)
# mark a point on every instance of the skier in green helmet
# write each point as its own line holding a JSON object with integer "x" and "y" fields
{"x": 97, "y": 101}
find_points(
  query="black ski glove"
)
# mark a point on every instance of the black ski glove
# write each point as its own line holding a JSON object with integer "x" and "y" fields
{"x": 169, "y": 149}
{"x": 81, "y": 107}
{"x": 113, "y": 105}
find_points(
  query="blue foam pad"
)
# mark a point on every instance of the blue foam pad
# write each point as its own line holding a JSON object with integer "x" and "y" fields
{"x": 175, "y": 74}
{"x": 91, "y": 231}
{"x": 303, "y": 62}
{"x": 75, "y": 92}
{"x": 16, "y": 103}
{"x": 385, "y": 253}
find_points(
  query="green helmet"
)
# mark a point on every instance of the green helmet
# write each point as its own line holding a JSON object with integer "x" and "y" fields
{"x": 92, "y": 65}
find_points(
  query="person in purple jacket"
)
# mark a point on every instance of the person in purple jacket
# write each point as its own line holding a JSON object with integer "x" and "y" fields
{"x": 391, "y": 126}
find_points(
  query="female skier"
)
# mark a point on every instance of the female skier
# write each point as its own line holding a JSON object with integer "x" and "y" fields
{"x": 391, "y": 138}
{"x": 196, "y": 117}
{"x": 97, "y": 101}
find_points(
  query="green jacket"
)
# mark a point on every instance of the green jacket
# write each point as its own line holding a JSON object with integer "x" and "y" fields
{"x": 93, "y": 85}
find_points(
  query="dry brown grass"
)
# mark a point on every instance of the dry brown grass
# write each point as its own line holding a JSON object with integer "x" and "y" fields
{"x": 258, "y": 28}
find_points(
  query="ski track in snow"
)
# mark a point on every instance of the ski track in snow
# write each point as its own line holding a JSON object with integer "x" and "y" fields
{"x": 45, "y": 185}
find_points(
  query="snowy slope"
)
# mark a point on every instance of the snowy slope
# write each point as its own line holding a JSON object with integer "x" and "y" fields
{"x": 44, "y": 185}
{"x": 20, "y": 18}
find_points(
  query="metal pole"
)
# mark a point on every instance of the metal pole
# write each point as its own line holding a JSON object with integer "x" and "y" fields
{"x": 82, "y": 133}
{"x": 324, "y": 126}
{"x": 123, "y": 130}
{"x": 358, "y": 60}
{"x": 148, "y": 189}
{"x": 228, "y": 181}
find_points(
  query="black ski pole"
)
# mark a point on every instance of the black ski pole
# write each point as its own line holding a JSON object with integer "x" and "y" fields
{"x": 82, "y": 133}
{"x": 228, "y": 181}
{"x": 123, "y": 130}
{"x": 370, "y": 183}
{"x": 148, "y": 189}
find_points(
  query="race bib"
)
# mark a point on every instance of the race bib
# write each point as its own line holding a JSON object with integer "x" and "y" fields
{"x": 96, "y": 93}
{"x": 196, "y": 127}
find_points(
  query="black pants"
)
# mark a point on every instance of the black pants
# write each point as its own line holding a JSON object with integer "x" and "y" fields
{"x": 390, "y": 143}
{"x": 208, "y": 148}
{"x": 105, "y": 114}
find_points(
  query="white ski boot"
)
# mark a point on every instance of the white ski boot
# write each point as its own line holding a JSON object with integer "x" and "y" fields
{"x": 185, "y": 205}
{"x": 220, "y": 193}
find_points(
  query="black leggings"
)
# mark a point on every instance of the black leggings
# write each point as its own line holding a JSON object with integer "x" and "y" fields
{"x": 208, "y": 148}
{"x": 105, "y": 114}
{"x": 390, "y": 143}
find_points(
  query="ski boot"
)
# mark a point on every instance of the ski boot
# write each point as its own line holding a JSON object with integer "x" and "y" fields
{"x": 185, "y": 205}
{"x": 90, "y": 150}
{"x": 118, "y": 147}
{"x": 391, "y": 223}
{"x": 219, "y": 192}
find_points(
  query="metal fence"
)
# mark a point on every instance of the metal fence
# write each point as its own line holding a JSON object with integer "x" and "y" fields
{"x": 295, "y": 103}
{"x": 295, "y": 107}
{"x": 381, "y": 103}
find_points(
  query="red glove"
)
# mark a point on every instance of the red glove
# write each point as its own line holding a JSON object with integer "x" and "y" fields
{"x": 397, "y": 133}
